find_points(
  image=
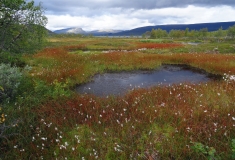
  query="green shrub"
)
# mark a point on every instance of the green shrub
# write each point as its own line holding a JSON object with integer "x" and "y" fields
{"x": 55, "y": 90}
{"x": 233, "y": 148}
{"x": 205, "y": 151}
{"x": 10, "y": 78}
{"x": 10, "y": 58}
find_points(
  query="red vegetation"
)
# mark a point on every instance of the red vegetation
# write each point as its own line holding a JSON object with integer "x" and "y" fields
{"x": 57, "y": 63}
{"x": 188, "y": 109}
{"x": 191, "y": 113}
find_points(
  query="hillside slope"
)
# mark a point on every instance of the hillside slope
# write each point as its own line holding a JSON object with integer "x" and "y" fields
{"x": 209, "y": 26}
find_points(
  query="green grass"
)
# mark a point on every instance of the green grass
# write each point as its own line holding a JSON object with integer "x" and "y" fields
{"x": 184, "y": 121}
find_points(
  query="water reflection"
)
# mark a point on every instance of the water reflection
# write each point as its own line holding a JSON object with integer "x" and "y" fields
{"x": 120, "y": 83}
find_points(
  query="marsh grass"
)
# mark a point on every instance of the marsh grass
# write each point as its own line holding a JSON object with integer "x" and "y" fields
{"x": 158, "y": 122}
{"x": 155, "y": 123}
{"x": 58, "y": 63}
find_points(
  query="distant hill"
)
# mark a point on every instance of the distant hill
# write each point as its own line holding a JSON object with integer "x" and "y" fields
{"x": 74, "y": 30}
{"x": 77, "y": 30}
{"x": 139, "y": 31}
{"x": 103, "y": 32}
{"x": 49, "y": 31}
{"x": 209, "y": 26}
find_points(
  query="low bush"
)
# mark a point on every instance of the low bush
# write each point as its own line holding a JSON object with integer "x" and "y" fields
{"x": 10, "y": 78}
{"x": 13, "y": 59}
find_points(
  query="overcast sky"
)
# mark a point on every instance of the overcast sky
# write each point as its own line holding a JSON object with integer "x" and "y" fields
{"x": 128, "y": 14}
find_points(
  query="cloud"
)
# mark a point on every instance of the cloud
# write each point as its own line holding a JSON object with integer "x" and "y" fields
{"x": 61, "y": 6}
{"x": 119, "y": 22}
{"x": 123, "y": 14}
{"x": 125, "y": 19}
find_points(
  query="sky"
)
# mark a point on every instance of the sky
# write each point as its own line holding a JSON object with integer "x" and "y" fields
{"x": 129, "y": 14}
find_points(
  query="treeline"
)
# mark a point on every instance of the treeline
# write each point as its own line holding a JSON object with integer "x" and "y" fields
{"x": 203, "y": 33}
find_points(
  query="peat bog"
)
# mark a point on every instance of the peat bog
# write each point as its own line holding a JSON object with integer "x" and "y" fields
{"x": 162, "y": 118}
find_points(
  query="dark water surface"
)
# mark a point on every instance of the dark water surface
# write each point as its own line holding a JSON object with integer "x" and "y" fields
{"x": 120, "y": 83}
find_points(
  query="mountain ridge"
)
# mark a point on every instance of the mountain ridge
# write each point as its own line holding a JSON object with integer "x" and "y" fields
{"x": 213, "y": 26}
{"x": 78, "y": 30}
